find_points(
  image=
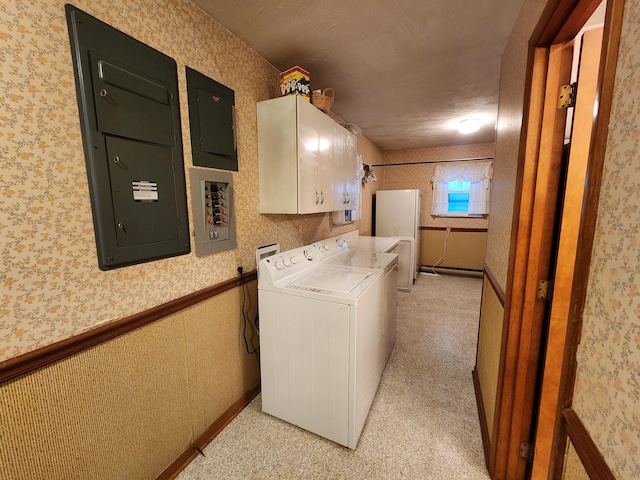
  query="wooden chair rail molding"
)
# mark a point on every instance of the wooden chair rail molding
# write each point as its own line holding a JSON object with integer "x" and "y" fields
{"x": 591, "y": 458}
{"x": 51, "y": 353}
{"x": 494, "y": 284}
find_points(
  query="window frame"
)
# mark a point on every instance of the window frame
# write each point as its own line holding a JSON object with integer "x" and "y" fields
{"x": 476, "y": 173}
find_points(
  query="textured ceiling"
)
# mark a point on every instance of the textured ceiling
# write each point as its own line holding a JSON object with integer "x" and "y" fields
{"x": 402, "y": 70}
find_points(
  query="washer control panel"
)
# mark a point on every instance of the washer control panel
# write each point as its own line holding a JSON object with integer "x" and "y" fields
{"x": 293, "y": 261}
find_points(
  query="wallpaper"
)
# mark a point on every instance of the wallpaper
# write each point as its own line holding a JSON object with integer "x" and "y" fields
{"x": 52, "y": 288}
{"x": 399, "y": 177}
{"x": 371, "y": 155}
{"x": 508, "y": 130}
{"x": 607, "y": 389}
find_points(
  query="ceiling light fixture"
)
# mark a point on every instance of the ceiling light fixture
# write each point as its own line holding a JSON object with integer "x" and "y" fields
{"x": 469, "y": 125}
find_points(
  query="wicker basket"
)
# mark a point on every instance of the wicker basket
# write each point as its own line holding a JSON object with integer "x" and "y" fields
{"x": 324, "y": 100}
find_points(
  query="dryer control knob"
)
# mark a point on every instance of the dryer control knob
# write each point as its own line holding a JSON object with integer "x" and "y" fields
{"x": 287, "y": 262}
{"x": 279, "y": 265}
{"x": 308, "y": 254}
{"x": 293, "y": 260}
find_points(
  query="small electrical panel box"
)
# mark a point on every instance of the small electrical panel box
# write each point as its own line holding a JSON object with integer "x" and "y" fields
{"x": 214, "y": 226}
{"x": 212, "y": 122}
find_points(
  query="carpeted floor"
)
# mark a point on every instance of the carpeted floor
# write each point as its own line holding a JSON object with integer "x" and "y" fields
{"x": 423, "y": 423}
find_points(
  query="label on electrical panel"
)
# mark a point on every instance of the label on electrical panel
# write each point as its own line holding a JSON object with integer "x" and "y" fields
{"x": 145, "y": 191}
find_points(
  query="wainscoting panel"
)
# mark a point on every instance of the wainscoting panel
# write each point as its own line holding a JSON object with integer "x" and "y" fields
{"x": 489, "y": 342}
{"x": 129, "y": 407}
{"x": 466, "y": 248}
{"x": 589, "y": 459}
{"x": 488, "y": 368}
{"x": 573, "y": 467}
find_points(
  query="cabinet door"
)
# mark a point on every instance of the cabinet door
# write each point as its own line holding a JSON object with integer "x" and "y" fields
{"x": 351, "y": 171}
{"x": 278, "y": 155}
{"x": 340, "y": 172}
{"x": 309, "y": 141}
{"x": 326, "y": 168}
{"x": 345, "y": 187}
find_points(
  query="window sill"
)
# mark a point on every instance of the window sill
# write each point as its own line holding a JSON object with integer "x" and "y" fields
{"x": 460, "y": 215}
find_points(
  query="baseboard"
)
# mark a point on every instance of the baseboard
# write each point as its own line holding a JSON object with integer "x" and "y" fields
{"x": 484, "y": 429}
{"x": 212, "y": 432}
{"x": 468, "y": 272}
{"x": 456, "y": 229}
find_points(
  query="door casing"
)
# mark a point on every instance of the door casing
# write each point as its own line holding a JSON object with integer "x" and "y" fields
{"x": 537, "y": 180}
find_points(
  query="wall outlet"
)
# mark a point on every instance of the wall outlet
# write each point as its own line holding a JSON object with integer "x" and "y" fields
{"x": 239, "y": 267}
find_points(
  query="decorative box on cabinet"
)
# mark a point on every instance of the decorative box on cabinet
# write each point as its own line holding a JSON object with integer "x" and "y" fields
{"x": 299, "y": 148}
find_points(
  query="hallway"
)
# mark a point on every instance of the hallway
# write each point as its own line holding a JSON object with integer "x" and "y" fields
{"x": 423, "y": 423}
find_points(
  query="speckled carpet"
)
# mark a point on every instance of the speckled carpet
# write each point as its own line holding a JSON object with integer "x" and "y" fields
{"x": 423, "y": 423}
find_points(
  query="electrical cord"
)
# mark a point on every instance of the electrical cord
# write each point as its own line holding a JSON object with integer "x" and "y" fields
{"x": 444, "y": 252}
{"x": 244, "y": 316}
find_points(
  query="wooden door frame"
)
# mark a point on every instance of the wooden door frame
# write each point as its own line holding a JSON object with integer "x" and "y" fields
{"x": 540, "y": 190}
{"x": 549, "y": 464}
{"x": 520, "y": 358}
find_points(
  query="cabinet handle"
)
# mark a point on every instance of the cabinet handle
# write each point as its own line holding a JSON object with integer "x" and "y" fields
{"x": 317, "y": 197}
{"x": 322, "y": 196}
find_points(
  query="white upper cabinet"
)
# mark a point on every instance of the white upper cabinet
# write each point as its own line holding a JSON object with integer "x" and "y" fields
{"x": 300, "y": 152}
{"x": 315, "y": 159}
{"x": 345, "y": 187}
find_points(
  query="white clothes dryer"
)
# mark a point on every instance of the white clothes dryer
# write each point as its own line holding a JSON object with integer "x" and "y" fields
{"x": 388, "y": 263}
{"x": 405, "y": 247}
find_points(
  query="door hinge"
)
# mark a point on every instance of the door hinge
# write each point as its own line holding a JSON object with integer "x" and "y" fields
{"x": 567, "y": 96}
{"x": 545, "y": 290}
{"x": 526, "y": 452}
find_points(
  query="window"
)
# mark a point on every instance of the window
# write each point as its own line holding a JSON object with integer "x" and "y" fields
{"x": 458, "y": 196}
{"x": 461, "y": 189}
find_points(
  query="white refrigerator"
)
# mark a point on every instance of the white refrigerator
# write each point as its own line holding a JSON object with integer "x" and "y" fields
{"x": 398, "y": 215}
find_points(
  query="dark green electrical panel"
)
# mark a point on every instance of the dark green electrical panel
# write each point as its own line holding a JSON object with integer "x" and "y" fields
{"x": 212, "y": 121}
{"x": 130, "y": 119}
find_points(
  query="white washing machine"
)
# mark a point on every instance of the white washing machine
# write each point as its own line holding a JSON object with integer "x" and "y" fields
{"x": 320, "y": 328}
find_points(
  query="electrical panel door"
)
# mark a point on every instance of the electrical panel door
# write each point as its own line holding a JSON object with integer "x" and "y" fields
{"x": 131, "y": 104}
{"x": 141, "y": 177}
{"x": 212, "y": 122}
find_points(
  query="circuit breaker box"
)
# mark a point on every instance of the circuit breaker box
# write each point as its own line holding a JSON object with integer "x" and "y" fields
{"x": 213, "y": 213}
{"x": 130, "y": 120}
